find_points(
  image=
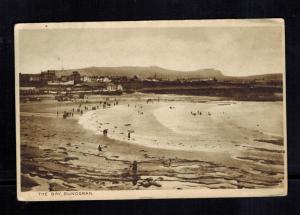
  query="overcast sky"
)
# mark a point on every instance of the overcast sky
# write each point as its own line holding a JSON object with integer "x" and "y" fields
{"x": 236, "y": 51}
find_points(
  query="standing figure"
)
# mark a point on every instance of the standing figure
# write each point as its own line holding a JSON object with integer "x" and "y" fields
{"x": 105, "y": 132}
{"x": 134, "y": 167}
{"x": 134, "y": 173}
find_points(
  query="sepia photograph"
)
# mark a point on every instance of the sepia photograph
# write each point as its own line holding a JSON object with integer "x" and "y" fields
{"x": 150, "y": 109}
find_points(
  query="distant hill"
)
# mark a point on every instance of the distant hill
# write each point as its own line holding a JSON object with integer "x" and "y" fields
{"x": 264, "y": 77}
{"x": 274, "y": 76}
{"x": 144, "y": 72}
{"x": 151, "y": 71}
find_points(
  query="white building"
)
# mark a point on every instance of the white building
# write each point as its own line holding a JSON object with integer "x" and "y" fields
{"x": 114, "y": 87}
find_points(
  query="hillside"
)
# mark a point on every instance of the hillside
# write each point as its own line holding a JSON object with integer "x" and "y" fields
{"x": 151, "y": 71}
{"x": 144, "y": 72}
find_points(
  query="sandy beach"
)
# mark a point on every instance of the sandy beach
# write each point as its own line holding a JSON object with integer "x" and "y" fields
{"x": 178, "y": 142}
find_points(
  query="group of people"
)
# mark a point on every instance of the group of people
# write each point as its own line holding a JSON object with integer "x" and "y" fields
{"x": 81, "y": 108}
{"x": 199, "y": 113}
{"x": 152, "y": 100}
{"x": 66, "y": 114}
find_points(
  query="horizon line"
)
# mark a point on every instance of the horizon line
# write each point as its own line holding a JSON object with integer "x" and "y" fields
{"x": 181, "y": 71}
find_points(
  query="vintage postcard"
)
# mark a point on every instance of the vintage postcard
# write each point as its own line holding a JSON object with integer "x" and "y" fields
{"x": 150, "y": 109}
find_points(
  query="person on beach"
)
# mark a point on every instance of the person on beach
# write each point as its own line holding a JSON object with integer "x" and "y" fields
{"x": 105, "y": 132}
{"x": 128, "y": 134}
{"x": 64, "y": 115}
{"x": 57, "y": 113}
{"x": 99, "y": 148}
{"x": 134, "y": 173}
{"x": 134, "y": 167}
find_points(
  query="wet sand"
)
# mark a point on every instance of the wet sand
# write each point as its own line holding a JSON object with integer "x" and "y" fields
{"x": 60, "y": 154}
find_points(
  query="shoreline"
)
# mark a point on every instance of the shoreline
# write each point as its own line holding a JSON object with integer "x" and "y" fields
{"x": 149, "y": 118}
{"x": 71, "y": 157}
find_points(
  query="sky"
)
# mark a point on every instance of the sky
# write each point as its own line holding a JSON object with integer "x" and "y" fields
{"x": 234, "y": 50}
